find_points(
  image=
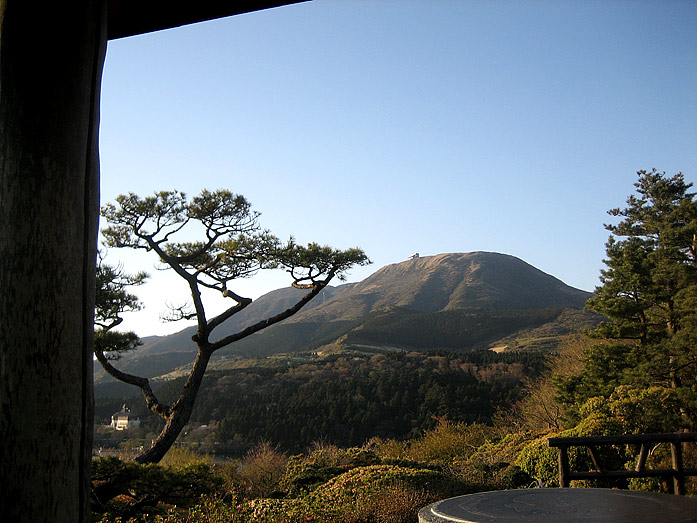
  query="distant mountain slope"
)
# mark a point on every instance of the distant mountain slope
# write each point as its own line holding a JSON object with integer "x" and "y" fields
{"x": 151, "y": 358}
{"x": 459, "y": 301}
{"x": 265, "y": 306}
{"x": 450, "y": 281}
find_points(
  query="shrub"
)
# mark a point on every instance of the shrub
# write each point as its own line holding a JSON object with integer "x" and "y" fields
{"x": 258, "y": 474}
{"x": 388, "y": 448}
{"x": 539, "y": 461}
{"x": 397, "y": 503}
{"x": 128, "y": 488}
{"x": 503, "y": 449}
{"x": 304, "y": 473}
{"x": 178, "y": 456}
{"x": 447, "y": 440}
{"x": 353, "y": 485}
{"x": 626, "y": 411}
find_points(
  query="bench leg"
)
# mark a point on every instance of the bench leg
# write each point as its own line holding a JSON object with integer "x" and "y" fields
{"x": 564, "y": 481}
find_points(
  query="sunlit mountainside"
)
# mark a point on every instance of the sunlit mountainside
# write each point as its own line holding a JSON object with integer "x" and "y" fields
{"x": 457, "y": 302}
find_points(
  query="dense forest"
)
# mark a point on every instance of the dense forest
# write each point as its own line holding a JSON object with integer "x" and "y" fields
{"x": 346, "y": 400}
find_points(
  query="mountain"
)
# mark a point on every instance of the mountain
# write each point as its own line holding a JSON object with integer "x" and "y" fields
{"x": 482, "y": 280}
{"x": 457, "y": 302}
{"x": 263, "y": 307}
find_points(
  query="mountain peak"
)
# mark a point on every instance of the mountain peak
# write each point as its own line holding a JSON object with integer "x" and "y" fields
{"x": 451, "y": 281}
{"x": 472, "y": 291}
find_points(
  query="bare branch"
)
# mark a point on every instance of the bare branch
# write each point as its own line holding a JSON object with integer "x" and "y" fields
{"x": 178, "y": 312}
{"x": 241, "y": 304}
{"x": 142, "y": 383}
{"x": 317, "y": 288}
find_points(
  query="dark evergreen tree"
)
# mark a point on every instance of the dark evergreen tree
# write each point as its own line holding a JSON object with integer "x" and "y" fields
{"x": 112, "y": 299}
{"x": 648, "y": 293}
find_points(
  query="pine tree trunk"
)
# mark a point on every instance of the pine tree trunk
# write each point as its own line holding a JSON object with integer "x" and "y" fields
{"x": 181, "y": 412}
{"x": 51, "y": 56}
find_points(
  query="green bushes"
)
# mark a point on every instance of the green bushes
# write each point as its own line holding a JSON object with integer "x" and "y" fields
{"x": 380, "y": 482}
{"x": 626, "y": 411}
{"x": 437, "y": 446}
{"x": 357, "y": 482}
{"x": 393, "y": 503}
{"x": 324, "y": 462}
{"x": 364, "y": 493}
{"x": 372, "y": 493}
{"x": 126, "y": 488}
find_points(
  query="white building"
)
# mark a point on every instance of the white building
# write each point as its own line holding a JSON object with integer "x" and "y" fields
{"x": 124, "y": 420}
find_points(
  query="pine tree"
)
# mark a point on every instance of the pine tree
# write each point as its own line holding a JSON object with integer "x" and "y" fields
{"x": 233, "y": 246}
{"x": 112, "y": 299}
{"x": 649, "y": 291}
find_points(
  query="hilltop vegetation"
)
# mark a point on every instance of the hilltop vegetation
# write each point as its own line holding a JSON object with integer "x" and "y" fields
{"x": 346, "y": 399}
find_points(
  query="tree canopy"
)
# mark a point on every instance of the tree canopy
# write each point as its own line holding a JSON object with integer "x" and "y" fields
{"x": 648, "y": 292}
{"x": 231, "y": 245}
{"x": 112, "y": 299}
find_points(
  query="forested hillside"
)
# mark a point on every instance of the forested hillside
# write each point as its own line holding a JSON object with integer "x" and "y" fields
{"x": 461, "y": 329}
{"x": 346, "y": 400}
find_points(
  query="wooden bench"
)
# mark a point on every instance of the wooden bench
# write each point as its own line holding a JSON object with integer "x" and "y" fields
{"x": 677, "y": 472}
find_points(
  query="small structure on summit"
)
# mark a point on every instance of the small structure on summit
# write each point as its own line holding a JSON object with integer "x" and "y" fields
{"x": 414, "y": 256}
{"x": 124, "y": 420}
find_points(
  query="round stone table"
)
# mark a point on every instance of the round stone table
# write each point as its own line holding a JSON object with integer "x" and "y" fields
{"x": 562, "y": 505}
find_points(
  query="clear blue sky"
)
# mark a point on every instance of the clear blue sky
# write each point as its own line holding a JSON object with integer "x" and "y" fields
{"x": 406, "y": 126}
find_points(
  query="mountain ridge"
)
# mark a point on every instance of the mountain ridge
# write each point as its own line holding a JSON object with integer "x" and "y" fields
{"x": 454, "y": 281}
{"x": 452, "y": 301}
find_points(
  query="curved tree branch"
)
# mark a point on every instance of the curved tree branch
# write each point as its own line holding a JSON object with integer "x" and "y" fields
{"x": 229, "y": 313}
{"x": 317, "y": 288}
{"x": 142, "y": 383}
